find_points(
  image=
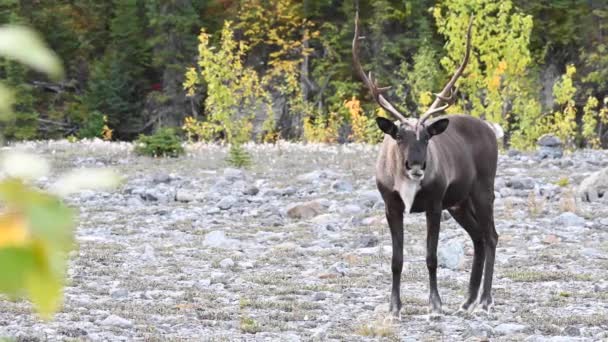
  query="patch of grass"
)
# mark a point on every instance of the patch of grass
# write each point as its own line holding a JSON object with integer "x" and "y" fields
{"x": 408, "y": 310}
{"x": 567, "y": 202}
{"x": 553, "y": 320}
{"x": 273, "y": 278}
{"x": 282, "y": 305}
{"x": 508, "y": 208}
{"x": 249, "y": 326}
{"x": 378, "y": 328}
{"x": 563, "y": 182}
{"x": 535, "y": 205}
{"x": 540, "y": 276}
{"x": 214, "y": 315}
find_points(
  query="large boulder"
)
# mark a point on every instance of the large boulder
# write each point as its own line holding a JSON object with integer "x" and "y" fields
{"x": 594, "y": 187}
{"x": 305, "y": 210}
{"x": 549, "y": 146}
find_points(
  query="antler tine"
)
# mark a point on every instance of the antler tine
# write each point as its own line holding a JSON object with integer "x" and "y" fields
{"x": 448, "y": 94}
{"x": 369, "y": 80}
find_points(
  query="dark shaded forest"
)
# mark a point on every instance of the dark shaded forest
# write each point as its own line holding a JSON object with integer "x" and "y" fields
{"x": 263, "y": 70}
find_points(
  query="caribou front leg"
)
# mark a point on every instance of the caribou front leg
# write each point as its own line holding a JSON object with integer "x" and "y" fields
{"x": 433, "y": 218}
{"x": 394, "y": 216}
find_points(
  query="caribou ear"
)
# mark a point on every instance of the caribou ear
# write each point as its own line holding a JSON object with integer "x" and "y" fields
{"x": 387, "y": 126}
{"x": 438, "y": 127}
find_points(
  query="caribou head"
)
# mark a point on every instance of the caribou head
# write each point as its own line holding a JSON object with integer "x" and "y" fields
{"x": 412, "y": 136}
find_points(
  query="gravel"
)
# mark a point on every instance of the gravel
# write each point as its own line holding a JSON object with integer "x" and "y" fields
{"x": 188, "y": 248}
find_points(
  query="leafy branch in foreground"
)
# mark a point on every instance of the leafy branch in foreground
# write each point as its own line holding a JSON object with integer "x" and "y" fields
{"x": 36, "y": 227}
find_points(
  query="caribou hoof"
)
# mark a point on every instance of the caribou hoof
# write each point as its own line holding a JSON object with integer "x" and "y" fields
{"x": 486, "y": 306}
{"x": 434, "y": 316}
{"x": 392, "y": 318}
{"x": 468, "y": 306}
{"x": 435, "y": 312}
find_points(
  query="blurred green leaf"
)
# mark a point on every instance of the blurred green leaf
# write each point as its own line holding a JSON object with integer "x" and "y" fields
{"x": 25, "y": 45}
{"x": 52, "y": 223}
{"x": 15, "y": 263}
{"x": 44, "y": 288}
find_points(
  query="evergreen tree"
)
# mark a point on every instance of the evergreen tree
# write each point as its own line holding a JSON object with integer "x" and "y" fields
{"x": 117, "y": 81}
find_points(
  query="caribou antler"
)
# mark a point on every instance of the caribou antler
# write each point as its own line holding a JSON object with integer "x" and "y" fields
{"x": 448, "y": 94}
{"x": 369, "y": 80}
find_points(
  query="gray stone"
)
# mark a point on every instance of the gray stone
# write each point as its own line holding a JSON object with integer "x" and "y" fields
{"x": 233, "y": 174}
{"x": 521, "y": 183}
{"x": 341, "y": 185}
{"x": 227, "y": 263}
{"x": 319, "y": 296}
{"x": 367, "y": 241}
{"x": 549, "y": 152}
{"x": 119, "y": 293}
{"x": 594, "y": 187}
{"x": 288, "y": 191}
{"x": 251, "y": 190}
{"x": 218, "y": 239}
{"x": 320, "y": 334}
{"x": 350, "y": 209}
{"x": 148, "y": 253}
{"x": 340, "y": 268}
{"x": 506, "y": 192}
{"x": 183, "y": 195}
{"x": 326, "y": 219}
{"x": 549, "y": 140}
{"x": 316, "y": 176}
{"x": 304, "y": 211}
{"x": 568, "y": 219}
{"x": 158, "y": 194}
{"x": 509, "y": 329}
{"x": 450, "y": 254}
{"x": 161, "y": 178}
{"x": 572, "y": 331}
{"x": 601, "y": 287}
{"x": 370, "y": 197}
{"x": 227, "y": 202}
{"x": 513, "y": 153}
{"x": 478, "y": 330}
{"x": 117, "y": 321}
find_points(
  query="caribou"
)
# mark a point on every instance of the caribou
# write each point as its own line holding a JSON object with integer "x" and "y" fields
{"x": 426, "y": 166}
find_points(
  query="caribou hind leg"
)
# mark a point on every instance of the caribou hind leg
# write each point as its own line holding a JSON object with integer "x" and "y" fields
{"x": 394, "y": 216}
{"x": 465, "y": 216}
{"x": 484, "y": 210}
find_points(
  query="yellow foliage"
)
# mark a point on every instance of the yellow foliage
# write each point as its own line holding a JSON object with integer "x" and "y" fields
{"x": 363, "y": 128}
{"x": 106, "y": 132}
{"x": 197, "y": 130}
{"x": 231, "y": 87}
{"x": 425, "y": 100}
{"x": 13, "y": 230}
{"x": 323, "y": 129}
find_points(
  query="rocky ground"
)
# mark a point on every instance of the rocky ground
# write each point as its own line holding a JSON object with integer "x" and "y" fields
{"x": 297, "y": 248}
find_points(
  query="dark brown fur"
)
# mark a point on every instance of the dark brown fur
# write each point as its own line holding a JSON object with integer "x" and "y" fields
{"x": 459, "y": 176}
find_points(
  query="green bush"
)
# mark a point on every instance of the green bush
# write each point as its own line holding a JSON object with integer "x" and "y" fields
{"x": 164, "y": 143}
{"x": 93, "y": 127}
{"x": 238, "y": 156}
